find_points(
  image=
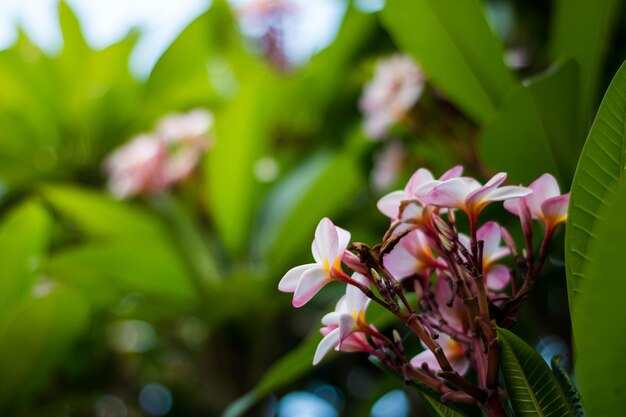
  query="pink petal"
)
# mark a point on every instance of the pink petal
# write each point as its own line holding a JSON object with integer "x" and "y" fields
{"x": 420, "y": 177}
{"x": 290, "y": 280}
{"x": 480, "y": 194}
{"x": 512, "y": 206}
{"x": 343, "y": 240}
{"x": 451, "y": 193}
{"x": 401, "y": 262}
{"x": 544, "y": 187}
{"x": 498, "y": 277}
{"x": 356, "y": 300}
{"x": 355, "y": 342}
{"x": 554, "y": 210}
{"x": 460, "y": 364}
{"x": 346, "y": 326}
{"x": 490, "y": 234}
{"x": 508, "y": 192}
{"x": 454, "y": 172}
{"x": 389, "y": 205}
{"x": 455, "y": 315}
{"x": 326, "y": 240}
{"x": 311, "y": 282}
{"x": 425, "y": 357}
{"x": 328, "y": 342}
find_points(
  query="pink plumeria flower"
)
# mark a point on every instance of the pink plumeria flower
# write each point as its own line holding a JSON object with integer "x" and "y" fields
{"x": 469, "y": 195}
{"x": 389, "y": 204}
{"x": 387, "y": 166}
{"x": 546, "y": 203}
{"x": 455, "y": 315}
{"x": 397, "y": 85}
{"x": 328, "y": 247}
{"x": 348, "y": 318}
{"x": 497, "y": 276}
{"x": 137, "y": 167}
{"x": 454, "y": 351}
{"x": 412, "y": 255}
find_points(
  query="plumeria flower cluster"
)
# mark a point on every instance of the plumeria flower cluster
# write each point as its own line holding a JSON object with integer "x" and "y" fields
{"x": 156, "y": 161}
{"x": 450, "y": 288}
{"x": 397, "y": 86}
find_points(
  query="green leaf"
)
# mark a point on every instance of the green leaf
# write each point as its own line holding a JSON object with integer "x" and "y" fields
{"x": 320, "y": 187}
{"x": 24, "y": 241}
{"x": 599, "y": 173}
{"x": 581, "y": 30}
{"x": 532, "y": 388}
{"x": 457, "y": 49}
{"x": 99, "y": 215}
{"x": 516, "y": 136}
{"x": 153, "y": 268}
{"x": 37, "y": 339}
{"x": 598, "y": 328}
{"x": 439, "y": 409}
{"x": 243, "y": 131}
{"x": 568, "y": 387}
{"x": 555, "y": 96}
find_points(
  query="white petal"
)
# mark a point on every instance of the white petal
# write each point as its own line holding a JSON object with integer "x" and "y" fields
{"x": 346, "y": 326}
{"x": 326, "y": 239}
{"x": 343, "y": 241}
{"x": 491, "y": 236}
{"x": 310, "y": 283}
{"x": 451, "y": 193}
{"x": 289, "y": 282}
{"x": 389, "y": 204}
{"x": 328, "y": 342}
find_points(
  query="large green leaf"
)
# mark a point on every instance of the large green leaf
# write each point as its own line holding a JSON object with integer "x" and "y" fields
{"x": 457, "y": 49}
{"x": 152, "y": 268}
{"x": 243, "y": 130}
{"x": 439, "y": 409}
{"x": 320, "y": 187}
{"x": 599, "y": 173}
{"x": 531, "y": 386}
{"x": 39, "y": 336}
{"x": 99, "y": 215}
{"x": 581, "y": 30}
{"x": 24, "y": 241}
{"x": 517, "y": 135}
{"x": 599, "y": 331}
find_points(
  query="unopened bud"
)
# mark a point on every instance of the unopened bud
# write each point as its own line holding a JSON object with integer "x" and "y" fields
{"x": 447, "y": 244}
{"x": 396, "y": 337}
{"x": 508, "y": 240}
{"x": 444, "y": 228}
{"x": 375, "y": 274}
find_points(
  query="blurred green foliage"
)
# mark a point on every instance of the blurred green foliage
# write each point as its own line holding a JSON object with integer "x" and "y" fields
{"x": 200, "y": 264}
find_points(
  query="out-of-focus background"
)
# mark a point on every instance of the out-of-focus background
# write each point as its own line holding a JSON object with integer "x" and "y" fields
{"x": 162, "y": 164}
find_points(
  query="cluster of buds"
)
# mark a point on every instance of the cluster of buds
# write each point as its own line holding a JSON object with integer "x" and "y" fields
{"x": 156, "y": 161}
{"x": 387, "y": 99}
{"x": 462, "y": 290}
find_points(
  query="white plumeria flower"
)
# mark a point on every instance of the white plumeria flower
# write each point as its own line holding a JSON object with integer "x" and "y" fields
{"x": 389, "y": 204}
{"x": 497, "y": 276}
{"x": 545, "y": 203}
{"x": 468, "y": 194}
{"x": 397, "y": 85}
{"x": 328, "y": 247}
{"x": 348, "y": 317}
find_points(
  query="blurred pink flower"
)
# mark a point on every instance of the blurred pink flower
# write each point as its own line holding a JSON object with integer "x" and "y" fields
{"x": 154, "y": 162}
{"x": 454, "y": 351}
{"x": 328, "y": 248}
{"x": 387, "y": 165}
{"x": 136, "y": 168}
{"x": 397, "y": 85}
{"x": 546, "y": 203}
{"x": 341, "y": 324}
